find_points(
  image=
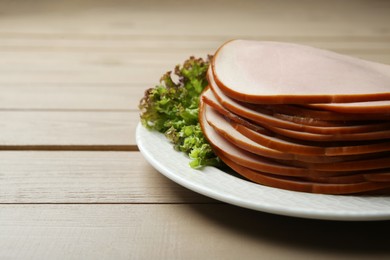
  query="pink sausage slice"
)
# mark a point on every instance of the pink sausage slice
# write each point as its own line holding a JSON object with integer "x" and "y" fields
{"x": 285, "y": 73}
{"x": 265, "y": 119}
{"x": 315, "y": 162}
{"x": 209, "y": 98}
{"x": 371, "y": 107}
{"x": 301, "y": 185}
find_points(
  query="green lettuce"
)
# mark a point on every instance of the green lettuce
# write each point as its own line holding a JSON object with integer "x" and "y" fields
{"x": 172, "y": 108}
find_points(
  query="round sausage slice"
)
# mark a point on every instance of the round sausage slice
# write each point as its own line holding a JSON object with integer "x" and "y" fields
{"x": 265, "y": 119}
{"x": 209, "y": 98}
{"x": 301, "y": 185}
{"x": 285, "y": 73}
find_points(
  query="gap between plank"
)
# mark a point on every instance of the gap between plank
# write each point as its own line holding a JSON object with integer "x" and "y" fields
{"x": 112, "y": 203}
{"x": 114, "y": 148}
{"x": 67, "y": 110}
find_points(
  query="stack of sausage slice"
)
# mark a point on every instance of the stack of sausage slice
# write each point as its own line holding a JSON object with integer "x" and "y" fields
{"x": 299, "y": 118}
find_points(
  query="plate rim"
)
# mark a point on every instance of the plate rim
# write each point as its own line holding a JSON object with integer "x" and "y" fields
{"x": 234, "y": 200}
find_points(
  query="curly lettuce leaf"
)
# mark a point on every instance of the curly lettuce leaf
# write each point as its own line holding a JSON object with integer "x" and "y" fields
{"x": 172, "y": 108}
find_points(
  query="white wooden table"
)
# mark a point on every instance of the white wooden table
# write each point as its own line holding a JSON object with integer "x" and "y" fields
{"x": 73, "y": 184}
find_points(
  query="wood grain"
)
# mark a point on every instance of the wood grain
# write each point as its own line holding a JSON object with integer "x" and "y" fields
{"x": 142, "y": 44}
{"x": 189, "y": 231}
{"x": 86, "y": 177}
{"x": 221, "y": 17}
{"x": 72, "y": 96}
{"x": 59, "y": 128}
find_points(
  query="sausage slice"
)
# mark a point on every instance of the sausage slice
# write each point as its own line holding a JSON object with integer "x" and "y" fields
{"x": 285, "y": 73}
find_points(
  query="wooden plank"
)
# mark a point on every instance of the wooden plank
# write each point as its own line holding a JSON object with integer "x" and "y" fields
{"x": 72, "y": 96}
{"x": 74, "y": 54}
{"x": 64, "y": 128}
{"x": 107, "y": 45}
{"x": 86, "y": 177}
{"x": 61, "y": 68}
{"x": 106, "y": 75}
{"x": 100, "y": 75}
{"x": 90, "y": 59}
{"x": 180, "y": 232}
{"x": 143, "y": 44}
{"x": 175, "y": 37}
{"x": 154, "y": 17}
{"x": 11, "y": 59}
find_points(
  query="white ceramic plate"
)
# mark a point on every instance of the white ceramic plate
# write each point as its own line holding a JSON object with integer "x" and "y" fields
{"x": 225, "y": 187}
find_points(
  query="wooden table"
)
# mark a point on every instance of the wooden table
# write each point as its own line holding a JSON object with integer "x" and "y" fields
{"x": 73, "y": 183}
